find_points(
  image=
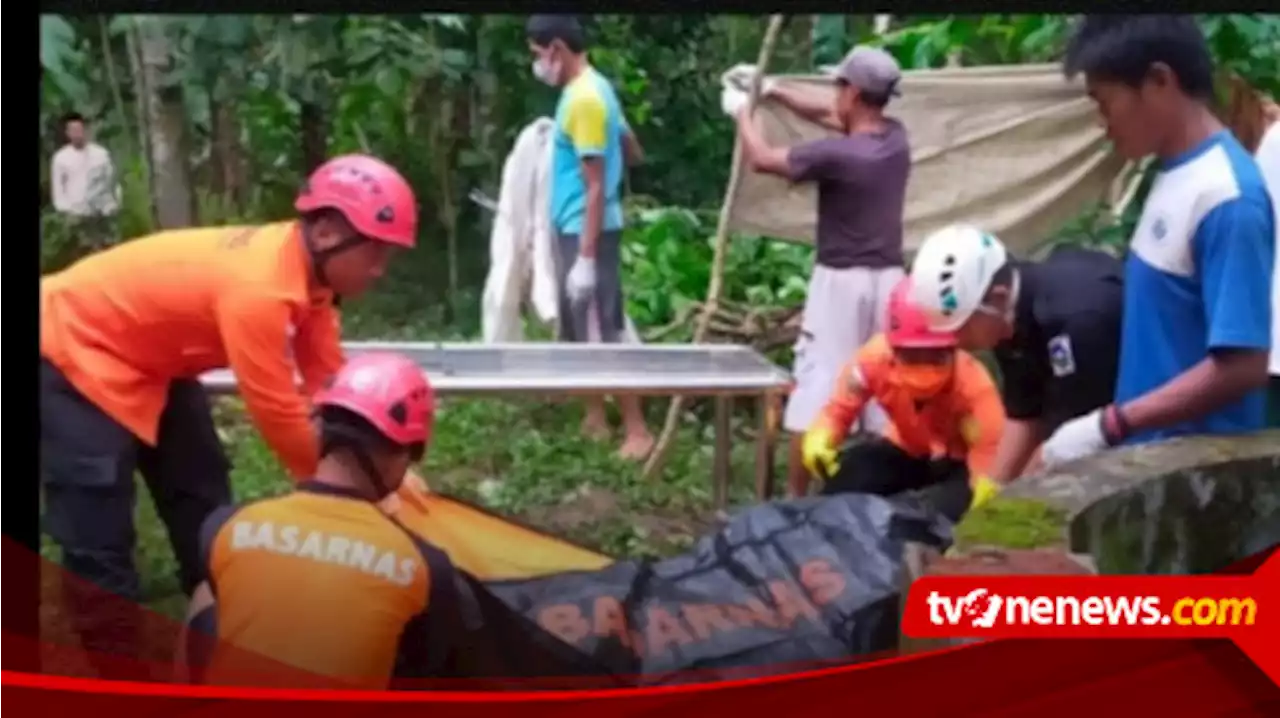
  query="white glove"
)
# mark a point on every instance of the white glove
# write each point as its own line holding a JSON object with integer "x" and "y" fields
{"x": 744, "y": 75}
{"x": 732, "y": 101}
{"x": 581, "y": 283}
{"x": 1076, "y": 439}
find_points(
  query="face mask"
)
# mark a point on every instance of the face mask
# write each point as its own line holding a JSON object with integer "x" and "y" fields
{"x": 547, "y": 72}
{"x": 923, "y": 380}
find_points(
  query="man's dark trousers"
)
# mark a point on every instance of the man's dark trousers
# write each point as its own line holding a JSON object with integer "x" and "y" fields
{"x": 87, "y": 468}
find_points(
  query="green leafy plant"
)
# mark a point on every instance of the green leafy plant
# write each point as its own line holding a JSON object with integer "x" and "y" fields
{"x": 667, "y": 256}
{"x": 444, "y": 97}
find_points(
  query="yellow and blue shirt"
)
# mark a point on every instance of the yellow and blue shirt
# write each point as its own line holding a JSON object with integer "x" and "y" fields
{"x": 589, "y": 123}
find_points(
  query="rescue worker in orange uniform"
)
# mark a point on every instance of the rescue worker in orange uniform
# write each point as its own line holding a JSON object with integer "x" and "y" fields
{"x": 945, "y": 417}
{"x": 126, "y": 333}
{"x": 320, "y": 587}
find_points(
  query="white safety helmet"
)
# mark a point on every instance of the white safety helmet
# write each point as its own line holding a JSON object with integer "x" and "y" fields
{"x": 952, "y": 272}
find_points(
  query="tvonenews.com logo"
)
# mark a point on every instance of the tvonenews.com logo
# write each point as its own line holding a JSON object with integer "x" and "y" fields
{"x": 980, "y": 608}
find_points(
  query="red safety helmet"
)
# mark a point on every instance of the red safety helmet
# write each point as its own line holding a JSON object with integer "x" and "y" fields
{"x": 908, "y": 324}
{"x": 373, "y": 197}
{"x": 387, "y": 390}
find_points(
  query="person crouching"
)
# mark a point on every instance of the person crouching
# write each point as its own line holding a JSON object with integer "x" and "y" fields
{"x": 944, "y": 410}
{"x": 320, "y": 588}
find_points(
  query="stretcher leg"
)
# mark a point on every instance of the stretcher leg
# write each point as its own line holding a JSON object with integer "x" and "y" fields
{"x": 723, "y": 437}
{"x": 768, "y": 412}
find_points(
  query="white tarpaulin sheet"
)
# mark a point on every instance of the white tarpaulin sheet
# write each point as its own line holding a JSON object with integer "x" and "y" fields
{"x": 1017, "y": 150}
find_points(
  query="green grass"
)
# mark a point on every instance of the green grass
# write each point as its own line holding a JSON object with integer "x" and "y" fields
{"x": 1011, "y": 523}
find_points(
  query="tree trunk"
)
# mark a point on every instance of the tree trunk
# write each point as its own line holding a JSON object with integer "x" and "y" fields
{"x": 426, "y": 118}
{"x": 133, "y": 44}
{"x": 109, "y": 64}
{"x": 314, "y": 143}
{"x": 166, "y": 124}
{"x": 227, "y": 162}
{"x": 217, "y": 177}
{"x": 483, "y": 101}
{"x": 458, "y": 128}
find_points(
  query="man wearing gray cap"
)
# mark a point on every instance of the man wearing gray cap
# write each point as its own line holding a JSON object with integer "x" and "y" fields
{"x": 861, "y": 175}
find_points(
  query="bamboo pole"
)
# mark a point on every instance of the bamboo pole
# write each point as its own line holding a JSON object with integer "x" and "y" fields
{"x": 657, "y": 457}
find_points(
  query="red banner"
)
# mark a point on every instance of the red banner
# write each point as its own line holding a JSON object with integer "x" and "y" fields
{"x": 1013, "y": 677}
{"x": 1028, "y": 670}
{"x": 1244, "y": 609}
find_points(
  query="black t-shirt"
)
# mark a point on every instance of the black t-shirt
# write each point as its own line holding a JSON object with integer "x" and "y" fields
{"x": 1063, "y": 357}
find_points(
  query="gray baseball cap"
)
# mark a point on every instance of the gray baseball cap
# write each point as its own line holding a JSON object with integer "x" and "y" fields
{"x": 870, "y": 69}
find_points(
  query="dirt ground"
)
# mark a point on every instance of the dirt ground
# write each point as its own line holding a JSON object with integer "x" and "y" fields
{"x": 596, "y": 511}
{"x": 979, "y": 561}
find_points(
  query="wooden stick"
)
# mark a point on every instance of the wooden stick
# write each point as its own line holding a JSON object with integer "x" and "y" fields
{"x": 653, "y": 466}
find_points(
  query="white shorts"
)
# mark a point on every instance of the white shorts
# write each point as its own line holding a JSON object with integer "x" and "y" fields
{"x": 843, "y": 310}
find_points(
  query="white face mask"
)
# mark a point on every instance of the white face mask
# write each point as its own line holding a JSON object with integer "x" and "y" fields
{"x": 547, "y": 72}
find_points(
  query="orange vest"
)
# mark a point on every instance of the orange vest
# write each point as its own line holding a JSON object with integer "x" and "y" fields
{"x": 123, "y": 323}
{"x": 317, "y": 583}
{"x": 964, "y": 421}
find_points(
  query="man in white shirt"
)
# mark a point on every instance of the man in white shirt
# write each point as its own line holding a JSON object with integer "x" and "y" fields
{"x": 84, "y": 186}
{"x": 1268, "y": 158}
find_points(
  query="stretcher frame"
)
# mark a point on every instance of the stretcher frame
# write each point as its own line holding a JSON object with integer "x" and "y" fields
{"x": 721, "y": 372}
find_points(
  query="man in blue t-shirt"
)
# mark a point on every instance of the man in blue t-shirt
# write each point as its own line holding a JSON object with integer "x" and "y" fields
{"x": 1197, "y": 320}
{"x": 592, "y": 145}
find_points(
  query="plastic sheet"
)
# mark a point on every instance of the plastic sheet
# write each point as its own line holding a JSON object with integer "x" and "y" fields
{"x": 785, "y": 583}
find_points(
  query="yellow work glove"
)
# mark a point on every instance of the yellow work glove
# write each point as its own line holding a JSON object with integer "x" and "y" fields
{"x": 984, "y": 489}
{"x": 819, "y": 453}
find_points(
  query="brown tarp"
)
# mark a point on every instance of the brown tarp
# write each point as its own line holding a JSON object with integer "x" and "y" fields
{"x": 1014, "y": 149}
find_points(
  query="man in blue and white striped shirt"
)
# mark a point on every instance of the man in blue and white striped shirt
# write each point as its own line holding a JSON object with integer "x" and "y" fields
{"x": 1197, "y": 321}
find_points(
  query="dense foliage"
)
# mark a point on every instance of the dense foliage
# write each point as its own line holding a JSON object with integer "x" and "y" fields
{"x": 215, "y": 118}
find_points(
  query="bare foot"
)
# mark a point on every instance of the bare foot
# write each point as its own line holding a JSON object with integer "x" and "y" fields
{"x": 596, "y": 429}
{"x": 637, "y": 446}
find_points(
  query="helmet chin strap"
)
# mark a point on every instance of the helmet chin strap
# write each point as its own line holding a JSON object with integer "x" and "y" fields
{"x": 1015, "y": 290}
{"x": 380, "y": 487}
{"x": 320, "y": 257}
{"x": 344, "y": 439}
{"x": 1010, "y": 311}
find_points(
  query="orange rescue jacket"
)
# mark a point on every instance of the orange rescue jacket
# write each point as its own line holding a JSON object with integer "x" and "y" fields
{"x": 315, "y": 581}
{"x": 124, "y": 323}
{"x": 963, "y": 422}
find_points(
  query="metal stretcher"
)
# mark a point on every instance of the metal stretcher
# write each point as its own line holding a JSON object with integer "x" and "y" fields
{"x": 720, "y": 371}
